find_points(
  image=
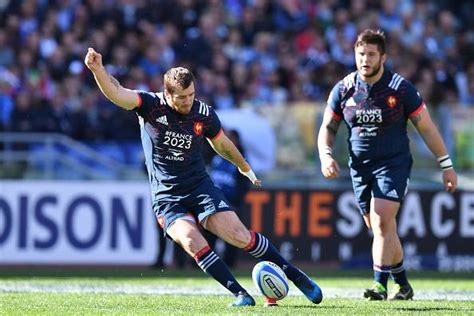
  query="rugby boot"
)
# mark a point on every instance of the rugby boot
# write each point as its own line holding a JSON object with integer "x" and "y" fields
{"x": 243, "y": 299}
{"x": 309, "y": 288}
{"x": 402, "y": 293}
{"x": 376, "y": 293}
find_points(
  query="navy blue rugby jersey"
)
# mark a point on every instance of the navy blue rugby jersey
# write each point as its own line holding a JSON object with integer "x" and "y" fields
{"x": 172, "y": 142}
{"x": 376, "y": 116}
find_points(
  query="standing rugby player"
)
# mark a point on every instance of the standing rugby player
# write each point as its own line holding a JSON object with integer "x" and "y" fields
{"x": 375, "y": 105}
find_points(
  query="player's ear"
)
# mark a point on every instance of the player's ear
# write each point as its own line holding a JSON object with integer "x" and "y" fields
{"x": 384, "y": 57}
{"x": 167, "y": 94}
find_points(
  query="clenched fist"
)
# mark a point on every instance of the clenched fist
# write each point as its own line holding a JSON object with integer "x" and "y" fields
{"x": 93, "y": 60}
{"x": 329, "y": 167}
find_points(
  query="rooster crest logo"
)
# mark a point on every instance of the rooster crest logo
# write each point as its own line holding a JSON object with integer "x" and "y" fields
{"x": 391, "y": 101}
{"x": 198, "y": 128}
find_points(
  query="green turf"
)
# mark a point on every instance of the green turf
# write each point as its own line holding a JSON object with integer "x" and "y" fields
{"x": 47, "y": 303}
{"x": 121, "y": 304}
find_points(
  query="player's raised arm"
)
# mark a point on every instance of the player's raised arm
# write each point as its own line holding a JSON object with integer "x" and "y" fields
{"x": 110, "y": 87}
{"x": 326, "y": 139}
{"x": 226, "y": 148}
{"x": 434, "y": 141}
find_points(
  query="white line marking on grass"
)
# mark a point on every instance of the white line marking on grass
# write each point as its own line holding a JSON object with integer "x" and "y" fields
{"x": 350, "y": 293}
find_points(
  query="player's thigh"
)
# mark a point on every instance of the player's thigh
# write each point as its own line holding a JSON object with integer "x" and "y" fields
{"x": 228, "y": 226}
{"x": 383, "y": 214}
{"x": 206, "y": 200}
{"x": 392, "y": 179}
{"x": 388, "y": 190}
{"x": 186, "y": 233}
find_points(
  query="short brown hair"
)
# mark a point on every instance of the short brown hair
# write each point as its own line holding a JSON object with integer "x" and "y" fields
{"x": 371, "y": 37}
{"x": 178, "y": 76}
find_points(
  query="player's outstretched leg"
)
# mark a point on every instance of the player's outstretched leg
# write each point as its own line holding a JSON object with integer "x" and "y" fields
{"x": 261, "y": 248}
{"x": 185, "y": 232}
{"x": 210, "y": 263}
{"x": 227, "y": 226}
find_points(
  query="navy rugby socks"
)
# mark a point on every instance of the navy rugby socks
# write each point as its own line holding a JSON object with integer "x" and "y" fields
{"x": 381, "y": 274}
{"x": 210, "y": 263}
{"x": 261, "y": 248}
{"x": 399, "y": 274}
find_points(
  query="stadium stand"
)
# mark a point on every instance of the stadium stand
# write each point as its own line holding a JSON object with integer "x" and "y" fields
{"x": 257, "y": 54}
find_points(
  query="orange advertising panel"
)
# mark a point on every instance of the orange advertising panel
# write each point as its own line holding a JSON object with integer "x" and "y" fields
{"x": 435, "y": 227}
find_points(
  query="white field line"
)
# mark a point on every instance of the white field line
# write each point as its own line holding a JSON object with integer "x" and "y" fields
{"x": 350, "y": 293}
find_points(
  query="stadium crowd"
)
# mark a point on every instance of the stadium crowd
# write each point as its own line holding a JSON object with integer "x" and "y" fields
{"x": 245, "y": 53}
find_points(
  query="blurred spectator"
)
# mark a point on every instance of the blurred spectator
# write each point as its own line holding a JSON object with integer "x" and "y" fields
{"x": 7, "y": 104}
{"x": 7, "y": 55}
{"x": 390, "y": 18}
{"x": 290, "y": 16}
{"x": 255, "y": 53}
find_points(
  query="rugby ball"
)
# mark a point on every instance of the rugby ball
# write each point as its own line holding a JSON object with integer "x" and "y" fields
{"x": 270, "y": 280}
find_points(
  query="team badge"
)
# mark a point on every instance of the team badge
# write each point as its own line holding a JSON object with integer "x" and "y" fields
{"x": 198, "y": 128}
{"x": 391, "y": 101}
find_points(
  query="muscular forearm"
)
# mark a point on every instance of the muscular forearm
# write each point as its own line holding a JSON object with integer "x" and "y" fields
{"x": 327, "y": 133}
{"x": 430, "y": 133}
{"x": 227, "y": 150}
{"x": 106, "y": 83}
{"x": 326, "y": 139}
{"x": 433, "y": 140}
{"x": 112, "y": 89}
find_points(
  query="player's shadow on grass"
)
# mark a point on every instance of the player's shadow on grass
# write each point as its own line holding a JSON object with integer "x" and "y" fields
{"x": 433, "y": 309}
{"x": 404, "y": 309}
{"x": 319, "y": 306}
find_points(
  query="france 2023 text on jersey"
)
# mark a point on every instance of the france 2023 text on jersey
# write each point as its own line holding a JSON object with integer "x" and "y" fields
{"x": 376, "y": 116}
{"x": 172, "y": 142}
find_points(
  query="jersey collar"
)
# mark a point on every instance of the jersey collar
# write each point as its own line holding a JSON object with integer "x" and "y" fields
{"x": 361, "y": 85}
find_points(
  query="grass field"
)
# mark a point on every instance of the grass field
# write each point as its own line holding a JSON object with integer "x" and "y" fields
{"x": 60, "y": 291}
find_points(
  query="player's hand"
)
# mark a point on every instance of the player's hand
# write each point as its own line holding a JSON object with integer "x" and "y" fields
{"x": 450, "y": 180}
{"x": 329, "y": 167}
{"x": 93, "y": 60}
{"x": 251, "y": 176}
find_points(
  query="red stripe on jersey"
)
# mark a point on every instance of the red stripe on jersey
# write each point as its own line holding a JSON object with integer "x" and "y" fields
{"x": 201, "y": 252}
{"x": 217, "y": 135}
{"x": 418, "y": 110}
{"x": 140, "y": 102}
{"x": 161, "y": 221}
{"x": 337, "y": 117}
{"x": 252, "y": 241}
